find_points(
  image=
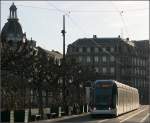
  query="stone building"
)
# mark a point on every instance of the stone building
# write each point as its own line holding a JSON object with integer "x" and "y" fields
{"x": 12, "y": 43}
{"x": 19, "y": 68}
{"x": 114, "y": 58}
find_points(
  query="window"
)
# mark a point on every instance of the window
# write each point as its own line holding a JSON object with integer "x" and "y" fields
{"x": 108, "y": 49}
{"x": 144, "y": 73}
{"x": 84, "y": 49}
{"x": 92, "y": 49}
{"x": 96, "y": 69}
{"x": 88, "y": 49}
{"x": 143, "y": 62}
{"x": 60, "y": 81}
{"x": 104, "y": 70}
{"x": 104, "y": 49}
{"x": 96, "y": 49}
{"x": 80, "y": 58}
{"x": 96, "y": 58}
{"x": 134, "y": 61}
{"x": 135, "y": 71}
{"x": 76, "y": 49}
{"x": 104, "y": 58}
{"x": 140, "y": 62}
{"x": 10, "y": 42}
{"x": 112, "y": 70}
{"x": 80, "y": 49}
{"x": 123, "y": 71}
{"x": 141, "y": 72}
{"x": 88, "y": 59}
{"x": 100, "y": 49}
{"x": 112, "y": 58}
{"x": 112, "y": 49}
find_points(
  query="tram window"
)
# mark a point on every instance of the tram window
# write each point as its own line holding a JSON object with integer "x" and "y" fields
{"x": 103, "y": 96}
{"x": 114, "y": 97}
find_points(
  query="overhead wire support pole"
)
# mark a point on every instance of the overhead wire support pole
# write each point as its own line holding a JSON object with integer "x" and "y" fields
{"x": 63, "y": 33}
{"x": 63, "y": 62}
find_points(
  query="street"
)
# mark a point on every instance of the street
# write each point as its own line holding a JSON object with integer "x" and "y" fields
{"x": 138, "y": 116}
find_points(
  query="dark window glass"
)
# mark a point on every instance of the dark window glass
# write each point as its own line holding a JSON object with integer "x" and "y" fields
{"x": 100, "y": 49}
{"x": 103, "y": 96}
{"x": 84, "y": 49}
{"x": 92, "y": 49}
{"x": 108, "y": 49}
{"x": 77, "y": 49}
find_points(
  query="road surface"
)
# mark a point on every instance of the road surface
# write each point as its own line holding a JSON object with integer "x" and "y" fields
{"x": 142, "y": 115}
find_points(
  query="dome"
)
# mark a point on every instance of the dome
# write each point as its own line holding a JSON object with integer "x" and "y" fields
{"x": 12, "y": 30}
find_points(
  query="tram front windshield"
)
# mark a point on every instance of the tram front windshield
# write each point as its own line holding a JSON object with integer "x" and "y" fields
{"x": 103, "y": 96}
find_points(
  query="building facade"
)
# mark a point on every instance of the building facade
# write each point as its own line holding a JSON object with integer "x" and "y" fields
{"x": 114, "y": 58}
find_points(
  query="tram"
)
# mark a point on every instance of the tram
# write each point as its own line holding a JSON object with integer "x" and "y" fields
{"x": 113, "y": 98}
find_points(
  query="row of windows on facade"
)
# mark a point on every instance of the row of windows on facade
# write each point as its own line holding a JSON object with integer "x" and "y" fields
{"x": 88, "y": 59}
{"x": 123, "y": 71}
{"x": 138, "y": 61}
{"x": 96, "y": 58}
{"x": 34, "y": 94}
{"x": 134, "y": 71}
{"x": 105, "y": 70}
{"x": 94, "y": 49}
{"x": 135, "y": 61}
{"x": 45, "y": 101}
{"x": 139, "y": 83}
{"x": 101, "y": 49}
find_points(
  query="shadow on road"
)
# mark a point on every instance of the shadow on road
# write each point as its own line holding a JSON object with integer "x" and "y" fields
{"x": 86, "y": 119}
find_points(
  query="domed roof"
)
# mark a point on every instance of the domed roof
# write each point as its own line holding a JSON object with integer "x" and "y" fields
{"x": 12, "y": 30}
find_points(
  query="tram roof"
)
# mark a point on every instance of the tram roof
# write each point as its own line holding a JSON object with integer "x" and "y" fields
{"x": 118, "y": 84}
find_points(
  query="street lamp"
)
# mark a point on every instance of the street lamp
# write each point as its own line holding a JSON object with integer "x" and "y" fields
{"x": 29, "y": 81}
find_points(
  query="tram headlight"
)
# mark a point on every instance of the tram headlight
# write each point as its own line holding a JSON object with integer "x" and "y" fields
{"x": 94, "y": 108}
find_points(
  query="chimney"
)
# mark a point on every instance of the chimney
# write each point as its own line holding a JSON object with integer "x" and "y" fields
{"x": 94, "y": 36}
{"x": 127, "y": 39}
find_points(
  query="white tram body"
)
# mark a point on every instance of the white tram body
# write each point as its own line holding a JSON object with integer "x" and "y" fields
{"x": 114, "y": 98}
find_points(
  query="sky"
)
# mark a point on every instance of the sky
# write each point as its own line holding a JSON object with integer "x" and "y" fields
{"x": 43, "y": 20}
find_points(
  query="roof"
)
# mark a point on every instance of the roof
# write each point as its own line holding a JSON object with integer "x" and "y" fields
{"x": 52, "y": 53}
{"x": 118, "y": 84}
{"x": 142, "y": 43}
{"x": 96, "y": 41}
{"x": 12, "y": 29}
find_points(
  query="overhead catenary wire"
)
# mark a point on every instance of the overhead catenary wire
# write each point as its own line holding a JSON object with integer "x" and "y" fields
{"x": 125, "y": 26}
{"x": 76, "y": 25}
{"x": 68, "y": 14}
{"x": 121, "y": 14}
{"x": 79, "y": 11}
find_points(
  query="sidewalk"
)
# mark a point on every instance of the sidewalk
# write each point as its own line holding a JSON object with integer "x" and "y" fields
{"x": 59, "y": 119}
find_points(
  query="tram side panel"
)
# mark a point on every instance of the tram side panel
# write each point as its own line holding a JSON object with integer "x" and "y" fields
{"x": 124, "y": 99}
{"x": 137, "y": 99}
{"x": 120, "y": 101}
{"x": 132, "y": 99}
{"x": 127, "y": 100}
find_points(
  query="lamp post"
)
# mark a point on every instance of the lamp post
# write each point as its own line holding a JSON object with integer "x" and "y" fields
{"x": 30, "y": 88}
